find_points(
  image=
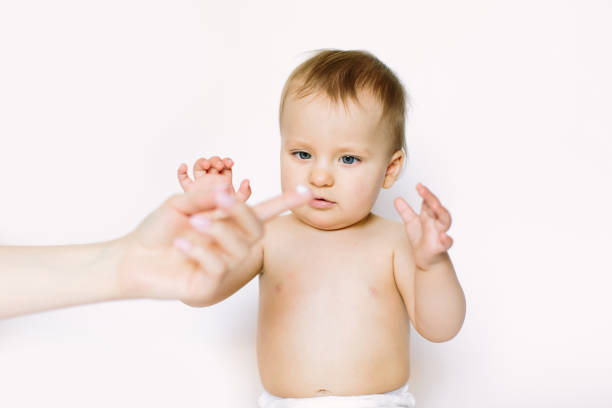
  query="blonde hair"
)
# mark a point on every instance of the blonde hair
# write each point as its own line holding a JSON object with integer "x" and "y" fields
{"x": 342, "y": 74}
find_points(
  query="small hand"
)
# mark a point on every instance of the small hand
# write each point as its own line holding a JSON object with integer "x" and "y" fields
{"x": 427, "y": 230}
{"x": 212, "y": 173}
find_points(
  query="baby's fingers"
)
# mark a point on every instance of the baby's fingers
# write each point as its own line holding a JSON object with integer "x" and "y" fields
{"x": 446, "y": 240}
{"x": 227, "y": 167}
{"x": 228, "y": 163}
{"x": 404, "y": 210}
{"x": 200, "y": 167}
{"x": 216, "y": 164}
{"x": 432, "y": 206}
{"x": 183, "y": 177}
{"x": 244, "y": 191}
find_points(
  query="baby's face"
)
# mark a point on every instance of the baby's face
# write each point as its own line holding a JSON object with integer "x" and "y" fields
{"x": 341, "y": 155}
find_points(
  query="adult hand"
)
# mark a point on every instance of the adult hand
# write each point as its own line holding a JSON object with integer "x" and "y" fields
{"x": 166, "y": 258}
{"x": 146, "y": 263}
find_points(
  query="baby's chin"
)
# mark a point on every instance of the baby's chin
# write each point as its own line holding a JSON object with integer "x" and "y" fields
{"x": 323, "y": 220}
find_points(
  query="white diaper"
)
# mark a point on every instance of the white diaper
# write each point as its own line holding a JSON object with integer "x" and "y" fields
{"x": 399, "y": 398}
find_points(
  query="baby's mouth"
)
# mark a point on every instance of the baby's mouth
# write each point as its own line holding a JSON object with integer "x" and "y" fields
{"x": 321, "y": 203}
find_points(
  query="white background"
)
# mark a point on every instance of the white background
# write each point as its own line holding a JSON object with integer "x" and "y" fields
{"x": 510, "y": 126}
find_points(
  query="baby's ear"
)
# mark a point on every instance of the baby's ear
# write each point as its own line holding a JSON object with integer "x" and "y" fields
{"x": 393, "y": 168}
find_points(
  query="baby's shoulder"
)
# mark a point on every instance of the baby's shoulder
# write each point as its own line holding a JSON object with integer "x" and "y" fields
{"x": 393, "y": 232}
{"x": 386, "y": 226}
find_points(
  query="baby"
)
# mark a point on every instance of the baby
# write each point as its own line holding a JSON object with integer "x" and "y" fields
{"x": 339, "y": 285}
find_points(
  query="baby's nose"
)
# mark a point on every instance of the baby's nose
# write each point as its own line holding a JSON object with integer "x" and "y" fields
{"x": 321, "y": 177}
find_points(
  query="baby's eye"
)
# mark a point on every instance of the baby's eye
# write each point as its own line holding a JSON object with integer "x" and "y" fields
{"x": 302, "y": 155}
{"x": 349, "y": 159}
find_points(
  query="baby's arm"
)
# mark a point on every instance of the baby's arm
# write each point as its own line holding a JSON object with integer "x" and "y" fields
{"x": 434, "y": 299}
{"x": 424, "y": 272}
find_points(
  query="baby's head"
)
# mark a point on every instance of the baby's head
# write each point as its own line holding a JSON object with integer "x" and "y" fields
{"x": 342, "y": 116}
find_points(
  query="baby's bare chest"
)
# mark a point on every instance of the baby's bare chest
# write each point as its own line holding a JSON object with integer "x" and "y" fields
{"x": 342, "y": 266}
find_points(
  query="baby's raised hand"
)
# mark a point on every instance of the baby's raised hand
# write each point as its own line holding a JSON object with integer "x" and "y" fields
{"x": 211, "y": 173}
{"x": 427, "y": 230}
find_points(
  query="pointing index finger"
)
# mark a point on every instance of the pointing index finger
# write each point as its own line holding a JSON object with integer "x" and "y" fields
{"x": 274, "y": 206}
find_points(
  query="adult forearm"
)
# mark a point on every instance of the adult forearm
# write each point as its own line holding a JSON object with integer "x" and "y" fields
{"x": 439, "y": 301}
{"x": 33, "y": 279}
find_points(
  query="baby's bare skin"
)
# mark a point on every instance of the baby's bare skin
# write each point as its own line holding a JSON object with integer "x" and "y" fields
{"x": 339, "y": 286}
{"x": 331, "y": 320}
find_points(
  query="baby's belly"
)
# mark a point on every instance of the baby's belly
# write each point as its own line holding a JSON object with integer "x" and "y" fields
{"x": 349, "y": 338}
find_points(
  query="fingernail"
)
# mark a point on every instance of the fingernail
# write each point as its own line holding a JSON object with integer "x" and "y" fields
{"x": 199, "y": 222}
{"x": 223, "y": 199}
{"x": 182, "y": 244}
{"x": 302, "y": 189}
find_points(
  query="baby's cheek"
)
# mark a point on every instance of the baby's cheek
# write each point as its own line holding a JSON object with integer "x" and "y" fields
{"x": 290, "y": 177}
{"x": 363, "y": 199}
